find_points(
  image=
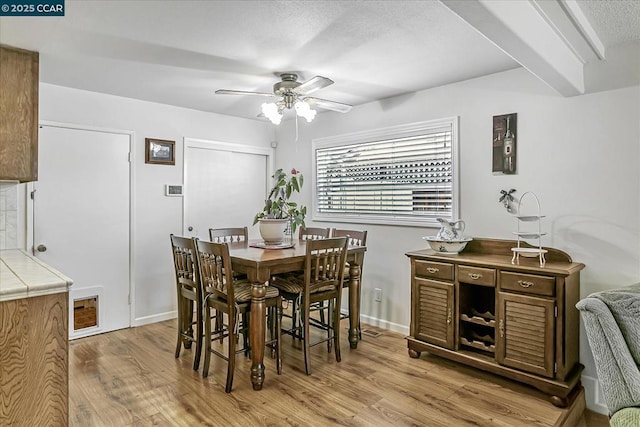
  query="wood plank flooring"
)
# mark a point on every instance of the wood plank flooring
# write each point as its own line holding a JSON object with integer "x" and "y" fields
{"x": 131, "y": 378}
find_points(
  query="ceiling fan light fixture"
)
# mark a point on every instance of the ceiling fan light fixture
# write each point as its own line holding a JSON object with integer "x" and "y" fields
{"x": 304, "y": 110}
{"x": 272, "y": 112}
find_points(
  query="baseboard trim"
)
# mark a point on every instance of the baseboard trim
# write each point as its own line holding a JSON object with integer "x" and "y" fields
{"x": 384, "y": 324}
{"x": 154, "y": 318}
{"x": 593, "y": 395}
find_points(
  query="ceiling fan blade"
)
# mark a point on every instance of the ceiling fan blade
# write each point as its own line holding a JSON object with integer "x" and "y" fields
{"x": 328, "y": 105}
{"x": 312, "y": 85}
{"x": 242, "y": 92}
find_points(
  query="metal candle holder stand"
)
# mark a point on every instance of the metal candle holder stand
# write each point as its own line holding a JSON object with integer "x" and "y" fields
{"x": 529, "y": 252}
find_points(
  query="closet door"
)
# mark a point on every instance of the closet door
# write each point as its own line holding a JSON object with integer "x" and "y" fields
{"x": 224, "y": 186}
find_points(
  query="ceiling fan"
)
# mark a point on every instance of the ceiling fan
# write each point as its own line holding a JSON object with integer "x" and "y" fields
{"x": 293, "y": 94}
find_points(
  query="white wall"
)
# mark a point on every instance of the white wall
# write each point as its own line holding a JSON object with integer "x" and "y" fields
{"x": 579, "y": 155}
{"x": 8, "y": 215}
{"x": 156, "y": 216}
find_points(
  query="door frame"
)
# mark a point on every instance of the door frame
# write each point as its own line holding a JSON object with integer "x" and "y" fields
{"x": 30, "y": 218}
{"x": 221, "y": 146}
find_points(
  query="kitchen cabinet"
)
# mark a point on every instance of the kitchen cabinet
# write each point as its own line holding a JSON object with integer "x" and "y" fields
{"x": 515, "y": 320}
{"x": 34, "y": 361}
{"x": 19, "y": 79}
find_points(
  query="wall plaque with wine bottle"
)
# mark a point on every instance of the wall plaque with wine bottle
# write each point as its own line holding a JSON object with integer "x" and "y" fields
{"x": 504, "y": 144}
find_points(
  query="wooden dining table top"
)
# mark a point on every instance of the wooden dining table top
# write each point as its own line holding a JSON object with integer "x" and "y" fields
{"x": 260, "y": 263}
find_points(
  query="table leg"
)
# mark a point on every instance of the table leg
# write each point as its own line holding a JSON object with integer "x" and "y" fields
{"x": 257, "y": 333}
{"x": 354, "y": 304}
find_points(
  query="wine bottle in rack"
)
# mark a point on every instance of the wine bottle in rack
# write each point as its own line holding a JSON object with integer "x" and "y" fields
{"x": 508, "y": 150}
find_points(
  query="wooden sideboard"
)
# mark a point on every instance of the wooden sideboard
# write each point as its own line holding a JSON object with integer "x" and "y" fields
{"x": 515, "y": 320}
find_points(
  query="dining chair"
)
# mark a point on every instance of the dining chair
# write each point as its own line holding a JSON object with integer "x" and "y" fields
{"x": 308, "y": 233}
{"x": 185, "y": 261}
{"x": 321, "y": 281}
{"x": 355, "y": 238}
{"x": 313, "y": 233}
{"x": 231, "y": 297}
{"x": 234, "y": 234}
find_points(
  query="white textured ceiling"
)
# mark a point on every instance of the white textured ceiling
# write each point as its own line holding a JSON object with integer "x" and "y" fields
{"x": 180, "y": 52}
{"x": 615, "y": 21}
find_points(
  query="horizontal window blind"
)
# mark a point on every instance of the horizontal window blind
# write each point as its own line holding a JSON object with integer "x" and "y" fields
{"x": 395, "y": 177}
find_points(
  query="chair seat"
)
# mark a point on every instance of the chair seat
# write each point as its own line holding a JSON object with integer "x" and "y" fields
{"x": 242, "y": 291}
{"x": 294, "y": 284}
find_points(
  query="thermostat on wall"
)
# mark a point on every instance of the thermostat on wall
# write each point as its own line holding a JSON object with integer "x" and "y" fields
{"x": 173, "y": 190}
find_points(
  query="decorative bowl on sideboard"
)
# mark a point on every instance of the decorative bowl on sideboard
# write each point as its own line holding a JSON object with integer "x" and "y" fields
{"x": 447, "y": 247}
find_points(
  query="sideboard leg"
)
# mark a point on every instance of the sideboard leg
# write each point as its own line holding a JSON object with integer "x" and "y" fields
{"x": 414, "y": 354}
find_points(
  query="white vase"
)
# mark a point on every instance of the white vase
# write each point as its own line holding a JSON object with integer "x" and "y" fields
{"x": 273, "y": 230}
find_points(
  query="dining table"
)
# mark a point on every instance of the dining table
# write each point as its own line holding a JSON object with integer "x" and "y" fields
{"x": 260, "y": 263}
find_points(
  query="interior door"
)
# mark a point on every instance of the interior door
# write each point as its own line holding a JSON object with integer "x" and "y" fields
{"x": 225, "y": 186}
{"x": 81, "y": 218}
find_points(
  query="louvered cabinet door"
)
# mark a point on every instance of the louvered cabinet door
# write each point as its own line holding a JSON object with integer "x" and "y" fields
{"x": 434, "y": 312}
{"x": 525, "y": 338}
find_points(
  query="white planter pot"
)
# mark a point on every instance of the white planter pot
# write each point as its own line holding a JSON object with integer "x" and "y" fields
{"x": 273, "y": 230}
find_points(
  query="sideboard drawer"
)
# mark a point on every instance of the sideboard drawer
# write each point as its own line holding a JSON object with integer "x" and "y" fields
{"x": 434, "y": 270}
{"x": 477, "y": 275}
{"x": 527, "y": 283}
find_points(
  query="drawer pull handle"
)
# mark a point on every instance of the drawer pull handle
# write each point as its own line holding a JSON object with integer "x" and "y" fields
{"x": 501, "y": 328}
{"x": 432, "y": 270}
{"x": 449, "y": 317}
{"x": 475, "y": 276}
{"x": 525, "y": 284}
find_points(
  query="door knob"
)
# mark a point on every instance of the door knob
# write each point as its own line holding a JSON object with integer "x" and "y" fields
{"x": 41, "y": 248}
{"x": 190, "y": 228}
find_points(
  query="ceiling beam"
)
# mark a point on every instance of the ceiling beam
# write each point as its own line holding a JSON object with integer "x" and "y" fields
{"x": 534, "y": 34}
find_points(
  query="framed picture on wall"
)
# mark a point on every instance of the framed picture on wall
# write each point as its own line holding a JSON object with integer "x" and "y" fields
{"x": 504, "y": 144}
{"x": 160, "y": 151}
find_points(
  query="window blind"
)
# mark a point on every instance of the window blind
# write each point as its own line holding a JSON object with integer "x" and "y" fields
{"x": 396, "y": 177}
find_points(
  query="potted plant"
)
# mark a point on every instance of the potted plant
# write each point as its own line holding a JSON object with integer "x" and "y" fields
{"x": 278, "y": 211}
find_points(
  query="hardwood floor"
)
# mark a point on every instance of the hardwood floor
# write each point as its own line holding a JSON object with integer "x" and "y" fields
{"x": 131, "y": 378}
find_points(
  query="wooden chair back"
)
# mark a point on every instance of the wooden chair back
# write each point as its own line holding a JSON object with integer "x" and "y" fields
{"x": 185, "y": 263}
{"x": 215, "y": 271}
{"x": 355, "y": 237}
{"x": 313, "y": 233}
{"x": 190, "y": 296}
{"x": 324, "y": 265}
{"x": 230, "y": 235}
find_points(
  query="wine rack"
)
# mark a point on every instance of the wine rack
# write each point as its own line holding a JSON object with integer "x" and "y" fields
{"x": 477, "y": 317}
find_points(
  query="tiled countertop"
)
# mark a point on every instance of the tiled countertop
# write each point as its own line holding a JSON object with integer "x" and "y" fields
{"x": 24, "y": 276}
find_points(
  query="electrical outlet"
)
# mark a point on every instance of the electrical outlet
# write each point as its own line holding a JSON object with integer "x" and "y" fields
{"x": 378, "y": 294}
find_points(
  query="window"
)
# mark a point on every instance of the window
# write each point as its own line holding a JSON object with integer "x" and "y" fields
{"x": 404, "y": 175}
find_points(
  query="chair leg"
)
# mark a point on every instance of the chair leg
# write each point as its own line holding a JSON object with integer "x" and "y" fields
{"x": 336, "y": 332}
{"x": 180, "y": 325}
{"x": 220, "y": 323}
{"x": 207, "y": 334}
{"x": 278, "y": 338}
{"x": 199, "y": 338}
{"x": 188, "y": 320}
{"x": 245, "y": 334}
{"x": 305, "y": 339}
{"x": 329, "y": 324}
{"x": 294, "y": 317}
{"x": 233, "y": 318}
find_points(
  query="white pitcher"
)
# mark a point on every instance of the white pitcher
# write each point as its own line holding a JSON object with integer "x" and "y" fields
{"x": 448, "y": 229}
